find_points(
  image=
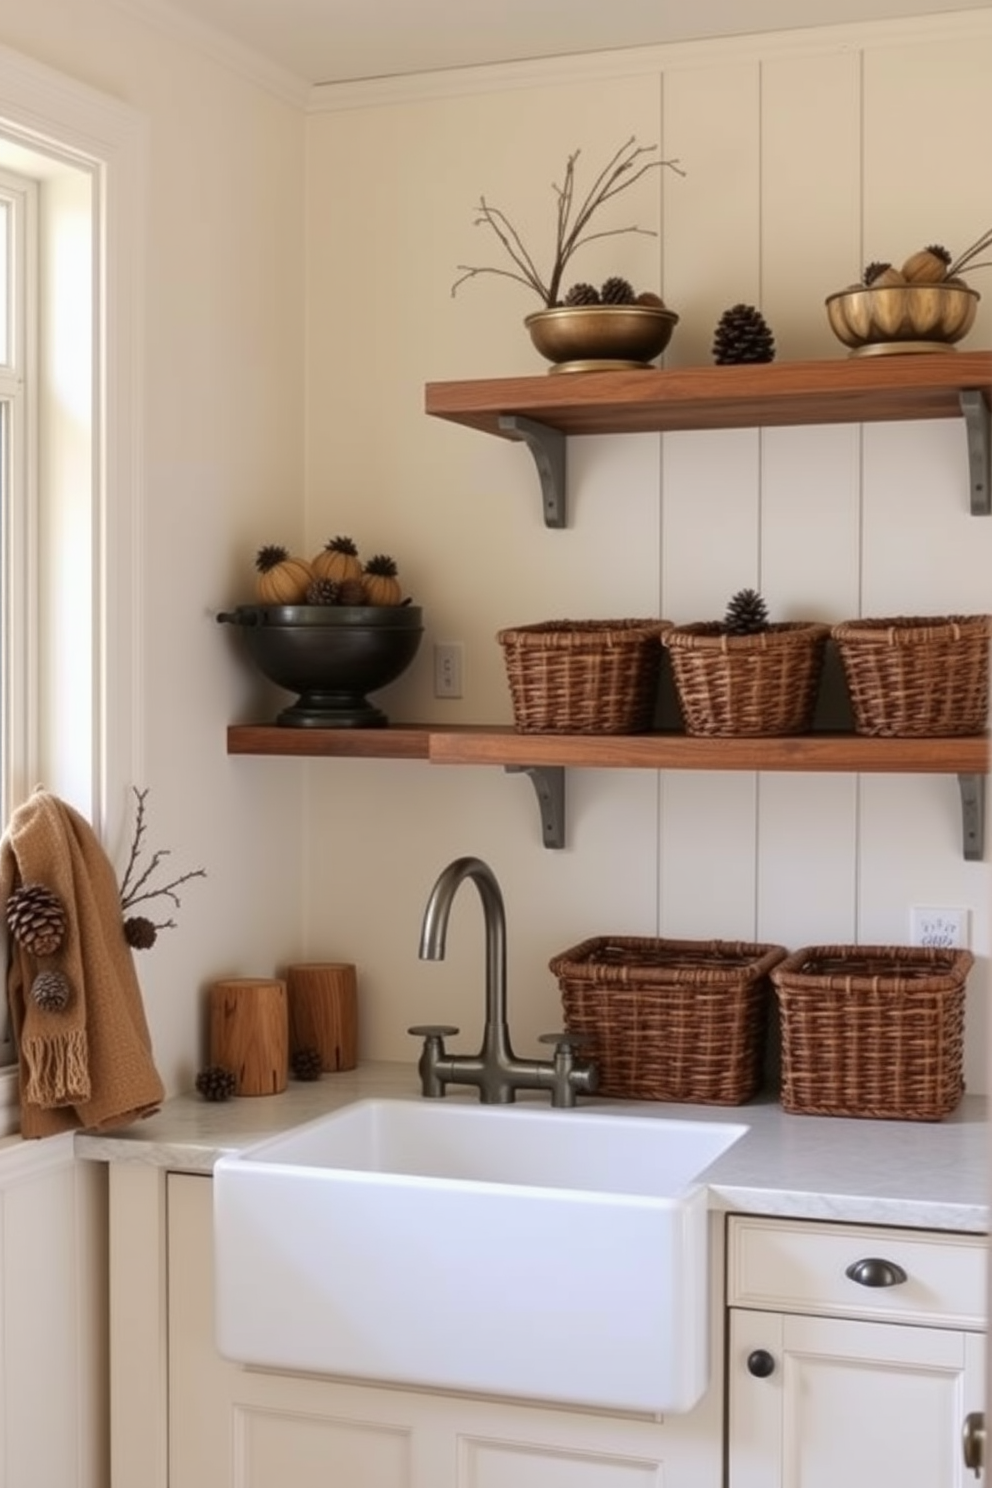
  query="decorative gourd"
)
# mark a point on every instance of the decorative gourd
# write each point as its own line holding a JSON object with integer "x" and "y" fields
{"x": 929, "y": 266}
{"x": 282, "y": 579}
{"x": 337, "y": 560}
{"x": 381, "y": 584}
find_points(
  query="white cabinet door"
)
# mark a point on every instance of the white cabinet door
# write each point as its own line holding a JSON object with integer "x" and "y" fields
{"x": 233, "y": 1427}
{"x": 848, "y": 1404}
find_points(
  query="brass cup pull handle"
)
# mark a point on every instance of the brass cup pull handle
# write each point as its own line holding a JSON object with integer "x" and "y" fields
{"x": 872, "y": 1271}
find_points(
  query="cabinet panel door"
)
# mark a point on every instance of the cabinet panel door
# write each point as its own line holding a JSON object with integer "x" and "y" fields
{"x": 862, "y": 1405}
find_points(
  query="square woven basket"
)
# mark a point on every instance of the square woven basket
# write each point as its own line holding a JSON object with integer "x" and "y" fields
{"x": 670, "y": 1020}
{"x": 872, "y": 1031}
{"x": 922, "y": 676}
{"x": 584, "y": 676}
{"x": 751, "y": 685}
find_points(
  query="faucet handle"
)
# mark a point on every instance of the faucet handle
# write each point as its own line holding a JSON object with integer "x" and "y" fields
{"x": 566, "y": 1039}
{"x": 432, "y": 1030}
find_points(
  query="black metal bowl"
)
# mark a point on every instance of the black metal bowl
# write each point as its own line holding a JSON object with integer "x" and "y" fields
{"x": 331, "y": 656}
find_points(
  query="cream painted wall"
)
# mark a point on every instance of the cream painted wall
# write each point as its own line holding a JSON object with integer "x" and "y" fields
{"x": 807, "y": 155}
{"x": 223, "y": 326}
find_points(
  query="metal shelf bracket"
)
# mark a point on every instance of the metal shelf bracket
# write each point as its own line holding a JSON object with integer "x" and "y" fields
{"x": 549, "y": 448}
{"x": 549, "y": 784}
{"x": 978, "y": 431}
{"x": 973, "y": 788}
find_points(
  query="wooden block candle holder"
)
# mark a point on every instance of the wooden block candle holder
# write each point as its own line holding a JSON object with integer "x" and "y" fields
{"x": 249, "y": 1033}
{"x": 323, "y": 1011}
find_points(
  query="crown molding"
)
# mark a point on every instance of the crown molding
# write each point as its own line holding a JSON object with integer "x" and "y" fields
{"x": 630, "y": 62}
{"x": 221, "y": 48}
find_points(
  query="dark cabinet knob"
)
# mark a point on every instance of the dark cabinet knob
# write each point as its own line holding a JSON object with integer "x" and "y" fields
{"x": 760, "y": 1363}
{"x": 874, "y": 1272}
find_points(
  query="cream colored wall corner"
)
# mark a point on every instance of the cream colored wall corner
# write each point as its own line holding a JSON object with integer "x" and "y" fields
{"x": 806, "y": 155}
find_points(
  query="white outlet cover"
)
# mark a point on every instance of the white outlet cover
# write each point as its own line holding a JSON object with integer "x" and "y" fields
{"x": 944, "y": 927}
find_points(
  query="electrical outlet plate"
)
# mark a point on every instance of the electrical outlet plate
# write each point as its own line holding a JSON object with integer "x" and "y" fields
{"x": 448, "y": 669}
{"x": 944, "y": 928}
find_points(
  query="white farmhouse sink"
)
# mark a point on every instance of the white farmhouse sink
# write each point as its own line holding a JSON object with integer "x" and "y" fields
{"x": 517, "y": 1251}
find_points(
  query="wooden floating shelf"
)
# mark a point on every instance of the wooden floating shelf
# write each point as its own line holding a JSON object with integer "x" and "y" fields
{"x": 483, "y": 745}
{"x": 543, "y": 412}
{"x": 545, "y": 757}
{"x": 847, "y": 390}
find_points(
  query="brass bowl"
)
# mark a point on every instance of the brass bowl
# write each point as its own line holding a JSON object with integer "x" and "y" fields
{"x": 599, "y": 338}
{"x": 902, "y": 318}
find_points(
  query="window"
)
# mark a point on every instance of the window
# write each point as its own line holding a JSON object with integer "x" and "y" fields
{"x": 71, "y": 177}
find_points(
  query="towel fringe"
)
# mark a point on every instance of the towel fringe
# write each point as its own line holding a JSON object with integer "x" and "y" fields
{"x": 57, "y": 1068}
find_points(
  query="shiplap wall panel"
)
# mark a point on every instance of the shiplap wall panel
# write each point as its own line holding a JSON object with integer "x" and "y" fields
{"x": 708, "y": 869}
{"x": 810, "y": 194}
{"x": 806, "y": 844}
{"x": 926, "y": 153}
{"x": 805, "y": 154}
{"x": 712, "y": 123}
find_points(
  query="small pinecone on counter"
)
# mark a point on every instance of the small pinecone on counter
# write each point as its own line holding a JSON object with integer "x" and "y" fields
{"x": 215, "y": 1083}
{"x": 50, "y": 991}
{"x": 617, "y": 291}
{"x": 323, "y": 592}
{"x": 747, "y": 614}
{"x": 582, "y": 294}
{"x": 37, "y": 919}
{"x": 140, "y": 933}
{"x": 742, "y": 335}
{"x": 306, "y": 1064}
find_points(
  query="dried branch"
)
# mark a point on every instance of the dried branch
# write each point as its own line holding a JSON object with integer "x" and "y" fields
{"x": 625, "y": 167}
{"x": 136, "y": 885}
{"x": 966, "y": 260}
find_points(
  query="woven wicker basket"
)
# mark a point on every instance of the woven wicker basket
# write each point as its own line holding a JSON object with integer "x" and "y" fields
{"x": 760, "y": 684}
{"x": 670, "y": 1020}
{"x": 584, "y": 676}
{"x": 917, "y": 676}
{"x": 872, "y": 1030}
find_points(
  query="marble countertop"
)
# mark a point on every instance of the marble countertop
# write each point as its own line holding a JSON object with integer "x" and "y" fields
{"x": 926, "y": 1175}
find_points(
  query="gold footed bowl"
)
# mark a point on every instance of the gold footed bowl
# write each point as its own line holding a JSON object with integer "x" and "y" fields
{"x": 601, "y": 338}
{"x": 902, "y": 317}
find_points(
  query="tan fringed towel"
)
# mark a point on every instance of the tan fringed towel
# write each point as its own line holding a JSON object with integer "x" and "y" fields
{"x": 89, "y": 1065}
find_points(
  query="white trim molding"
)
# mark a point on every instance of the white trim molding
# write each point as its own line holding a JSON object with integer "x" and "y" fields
{"x": 628, "y": 62}
{"x": 54, "y": 116}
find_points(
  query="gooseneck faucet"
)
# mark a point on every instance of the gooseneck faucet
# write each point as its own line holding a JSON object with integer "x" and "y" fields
{"x": 495, "y": 1071}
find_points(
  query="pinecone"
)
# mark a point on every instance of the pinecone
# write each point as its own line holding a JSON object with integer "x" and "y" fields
{"x": 582, "y": 294}
{"x": 50, "y": 991}
{"x": 215, "y": 1083}
{"x": 37, "y": 919}
{"x": 140, "y": 933}
{"x": 617, "y": 291}
{"x": 323, "y": 592}
{"x": 306, "y": 1064}
{"x": 351, "y": 592}
{"x": 742, "y": 335}
{"x": 747, "y": 614}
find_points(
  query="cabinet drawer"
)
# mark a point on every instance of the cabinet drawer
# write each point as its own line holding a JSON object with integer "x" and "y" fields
{"x": 797, "y": 1266}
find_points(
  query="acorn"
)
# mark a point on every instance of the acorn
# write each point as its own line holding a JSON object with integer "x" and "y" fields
{"x": 929, "y": 266}
{"x": 648, "y": 297}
